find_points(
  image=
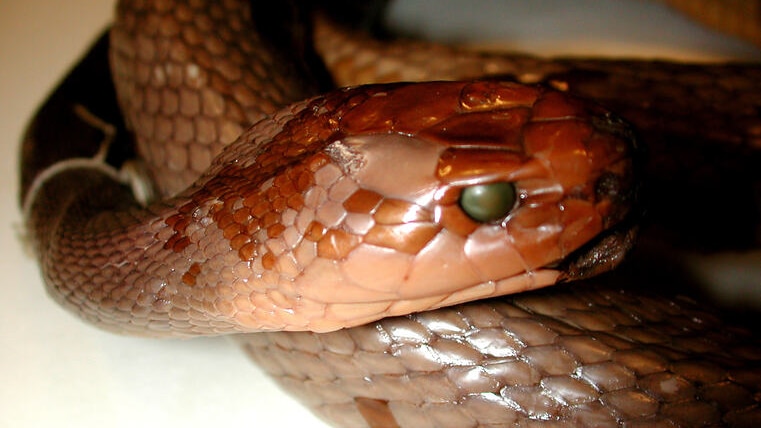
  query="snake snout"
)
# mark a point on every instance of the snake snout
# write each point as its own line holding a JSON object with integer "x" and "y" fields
{"x": 618, "y": 189}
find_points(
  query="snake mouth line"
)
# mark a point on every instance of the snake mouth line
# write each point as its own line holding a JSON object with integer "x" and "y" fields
{"x": 603, "y": 253}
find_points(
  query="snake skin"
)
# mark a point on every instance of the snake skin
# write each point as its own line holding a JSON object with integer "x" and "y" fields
{"x": 191, "y": 78}
{"x": 582, "y": 355}
{"x": 297, "y": 224}
{"x": 594, "y": 353}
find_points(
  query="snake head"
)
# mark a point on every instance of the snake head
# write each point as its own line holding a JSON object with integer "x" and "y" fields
{"x": 389, "y": 199}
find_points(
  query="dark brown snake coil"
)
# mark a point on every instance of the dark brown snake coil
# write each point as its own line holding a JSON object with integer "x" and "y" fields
{"x": 353, "y": 207}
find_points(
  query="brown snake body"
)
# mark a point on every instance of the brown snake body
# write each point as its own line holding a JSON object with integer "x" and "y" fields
{"x": 570, "y": 355}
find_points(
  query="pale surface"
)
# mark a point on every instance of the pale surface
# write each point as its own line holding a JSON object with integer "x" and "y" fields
{"x": 57, "y": 371}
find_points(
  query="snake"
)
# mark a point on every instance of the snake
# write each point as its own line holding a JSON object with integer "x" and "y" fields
{"x": 375, "y": 221}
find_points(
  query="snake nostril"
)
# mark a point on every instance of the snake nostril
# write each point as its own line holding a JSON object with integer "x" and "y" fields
{"x": 609, "y": 186}
{"x": 621, "y": 191}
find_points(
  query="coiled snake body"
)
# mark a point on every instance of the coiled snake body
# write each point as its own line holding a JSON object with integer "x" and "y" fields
{"x": 377, "y": 201}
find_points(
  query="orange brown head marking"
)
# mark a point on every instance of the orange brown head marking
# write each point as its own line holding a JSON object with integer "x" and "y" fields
{"x": 352, "y": 208}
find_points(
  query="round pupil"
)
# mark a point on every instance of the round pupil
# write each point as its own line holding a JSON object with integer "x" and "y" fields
{"x": 488, "y": 202}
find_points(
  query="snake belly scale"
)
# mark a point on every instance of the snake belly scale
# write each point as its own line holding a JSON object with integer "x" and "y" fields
{"x": 344, "y": 209}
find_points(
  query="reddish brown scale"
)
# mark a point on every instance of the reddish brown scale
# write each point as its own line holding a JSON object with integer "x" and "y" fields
{"x": 223, "y": 219}
{"x": 269, "y": 260}
{"x": 275, "y": 231}
{"x": 237, "y": 242}
{"x": 259, "y": 206}
{"x": 189, "y": 277}
{"x": 454, "y": 163}
{"x": 286, "y": 186}
{"x": 552, "y": 105}
{"x": 295, "y": 202}
{"x": 362, "y": 201}
{"x": 248, "y": 251}
{"x": 315, "y": 232}
{"x": 474, "y": 98}
{"x": 269, "y": 219}
{"x": 280, "y": 203}
{"x": 375, "y": 411}
{"x": 336, "y": 244}
{"x": 241, "y": 215}
{"x": 455, "y": 220}
{"x": 181, "y": 244}
{"x": 408, "y": 238}
{"x": 231, "y": 230}
{"x": 504, "y": 130}
{"x": 253, "y": 226}
{"x": 394, "y": 211}
{"x": 271, "y": 194}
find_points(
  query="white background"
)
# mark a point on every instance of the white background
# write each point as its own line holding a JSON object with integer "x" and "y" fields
{"x": 57, "y": 371}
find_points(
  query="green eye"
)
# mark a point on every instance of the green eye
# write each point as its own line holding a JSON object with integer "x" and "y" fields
{"x": 486, "y": 203}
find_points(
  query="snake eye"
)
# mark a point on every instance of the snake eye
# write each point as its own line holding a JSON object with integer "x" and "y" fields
{"x": 490, "y": 202}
